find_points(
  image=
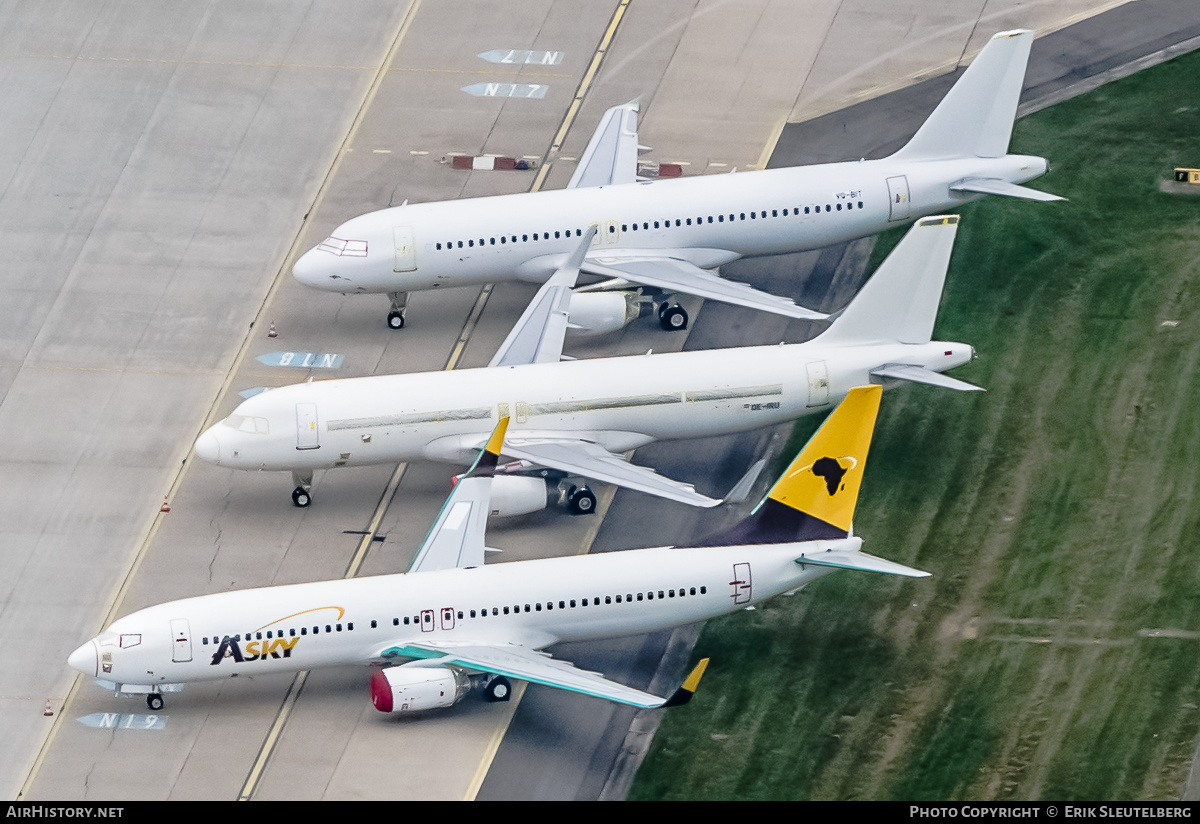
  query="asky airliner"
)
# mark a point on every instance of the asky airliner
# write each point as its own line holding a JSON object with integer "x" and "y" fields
{"x": 573, "y": 420}
{"x": 668, "y": 234}
{"x": 452, "y": 623}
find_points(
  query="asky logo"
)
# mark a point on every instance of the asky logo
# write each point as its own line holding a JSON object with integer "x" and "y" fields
{"x": 262, "y": 649}
{"x": 255, "y": 650}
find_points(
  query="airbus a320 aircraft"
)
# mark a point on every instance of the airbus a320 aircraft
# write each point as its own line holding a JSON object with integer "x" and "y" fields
{"x": 574, "y": 419}
{"x": 668, "y": 234}
{"x": 452, "y": 623}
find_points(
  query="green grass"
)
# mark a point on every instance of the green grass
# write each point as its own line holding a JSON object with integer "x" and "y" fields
{"x": 1058, "y": 512}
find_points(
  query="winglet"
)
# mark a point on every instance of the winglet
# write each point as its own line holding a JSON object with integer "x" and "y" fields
{"x": 688, "y": 688}
{"x": 489, "y": 458}
{"x": 816, "y": 497}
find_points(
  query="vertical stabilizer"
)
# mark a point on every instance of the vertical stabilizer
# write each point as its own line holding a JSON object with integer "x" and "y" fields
{"x": 816, "y": 497}
{"x": 976, "y": 118}
{"x": 900, "y": 301}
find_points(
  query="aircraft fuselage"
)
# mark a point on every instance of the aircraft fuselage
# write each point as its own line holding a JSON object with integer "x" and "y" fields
{"x": 619, "y": 403}
{"x": 355, "y": 621}
{"x": 708, "y": 221}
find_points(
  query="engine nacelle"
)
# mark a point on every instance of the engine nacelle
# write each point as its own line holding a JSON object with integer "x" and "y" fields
{"x": 514, "y": 495}
{"x": 597, "y": 313}
{"x": 415, "y": 689}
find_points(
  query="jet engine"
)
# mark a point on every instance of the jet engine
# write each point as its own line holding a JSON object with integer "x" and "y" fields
{"x": 414, "y": 689}
{"x": 517, "y": 495}
{"x": 597, "y": 313}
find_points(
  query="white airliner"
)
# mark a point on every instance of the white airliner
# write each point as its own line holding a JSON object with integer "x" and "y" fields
{"x": 667, "y": 234}
{"x": 574, "y": 419}
{"x": 451, "y": 622}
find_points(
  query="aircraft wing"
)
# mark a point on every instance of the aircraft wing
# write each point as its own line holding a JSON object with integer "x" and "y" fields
{"x": 539, "y": 334}
{"x": 525, "y": 664}
{"x": 676, "y": 275}
{"x": 591, "y": 460}
{"x": 611, "y": 155}
{"x": 456, "y": 539}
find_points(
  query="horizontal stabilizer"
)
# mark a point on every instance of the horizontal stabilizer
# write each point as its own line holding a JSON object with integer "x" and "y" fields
{"x": 992, "y": 186}
{"x": 849, "y": 559}
{"x": 919, "y": 374}
{"x": 675, "y": 275}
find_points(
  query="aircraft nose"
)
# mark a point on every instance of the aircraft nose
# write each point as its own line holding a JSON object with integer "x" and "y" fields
{"x": 84, "y": 659}
{"x": 208, "y": 447}
{"x": 314, "y": 268}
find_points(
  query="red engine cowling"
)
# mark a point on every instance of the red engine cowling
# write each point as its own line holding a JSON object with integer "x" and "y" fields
{"x": 414, "y": 689}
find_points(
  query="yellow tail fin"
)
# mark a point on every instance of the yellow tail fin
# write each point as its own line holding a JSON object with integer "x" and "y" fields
{"x": 826, "y": 476}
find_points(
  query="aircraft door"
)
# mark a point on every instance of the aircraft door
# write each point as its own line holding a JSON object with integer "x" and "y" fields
{"x": 307, "y": 435}
{"x": 612, "y": 232}
{"x": 447, "y": 617}
{"x": 818, "y": 383}
{"x": 181, "y": 641}
{"x": 406, "y": 249}
{"x": 898, "y": 200}
{"x": 741, "y": 584}
{"x": 427, "y": 620}
{"x": 522, "y": 412}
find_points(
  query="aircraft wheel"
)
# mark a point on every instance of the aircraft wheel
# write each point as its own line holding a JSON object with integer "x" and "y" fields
{"x": 581, "y": 501}
{"x": 395, "y": 320}
{"x": 673, "y": 318}
{"x": 301, "y": 497}
{"x": 154, "y": 701}
{"x": 498, "y": 689}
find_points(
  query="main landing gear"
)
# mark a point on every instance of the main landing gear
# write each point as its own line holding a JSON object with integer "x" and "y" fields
{"x": 395, "y": 318}
{"x": 498, "y": 689}
{"x": 672, "y": 317}
{"x": 302, "y": 494}
{"x": 581, "y": 500}
{"x": 154, "y": 702}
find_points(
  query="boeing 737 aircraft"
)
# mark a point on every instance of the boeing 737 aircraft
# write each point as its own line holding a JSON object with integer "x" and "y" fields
{"x": 667, "y": 234}
{"x": 452, "y": 623}
{"x": 574, "y": 419}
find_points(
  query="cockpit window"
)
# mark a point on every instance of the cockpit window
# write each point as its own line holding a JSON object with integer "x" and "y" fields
{"x": 346, "y": 248}
{"x": 130, "y": 639}
{"x": 243, "y": 423}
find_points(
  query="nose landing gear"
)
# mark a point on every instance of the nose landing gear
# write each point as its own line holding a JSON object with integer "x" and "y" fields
{"x": 395, "y": 318}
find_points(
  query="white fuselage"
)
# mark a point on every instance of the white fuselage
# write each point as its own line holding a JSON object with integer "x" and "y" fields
{"x": 620, "y": 403}
{"x": 359, "y": 621}
{"x": 708, "y": 221}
